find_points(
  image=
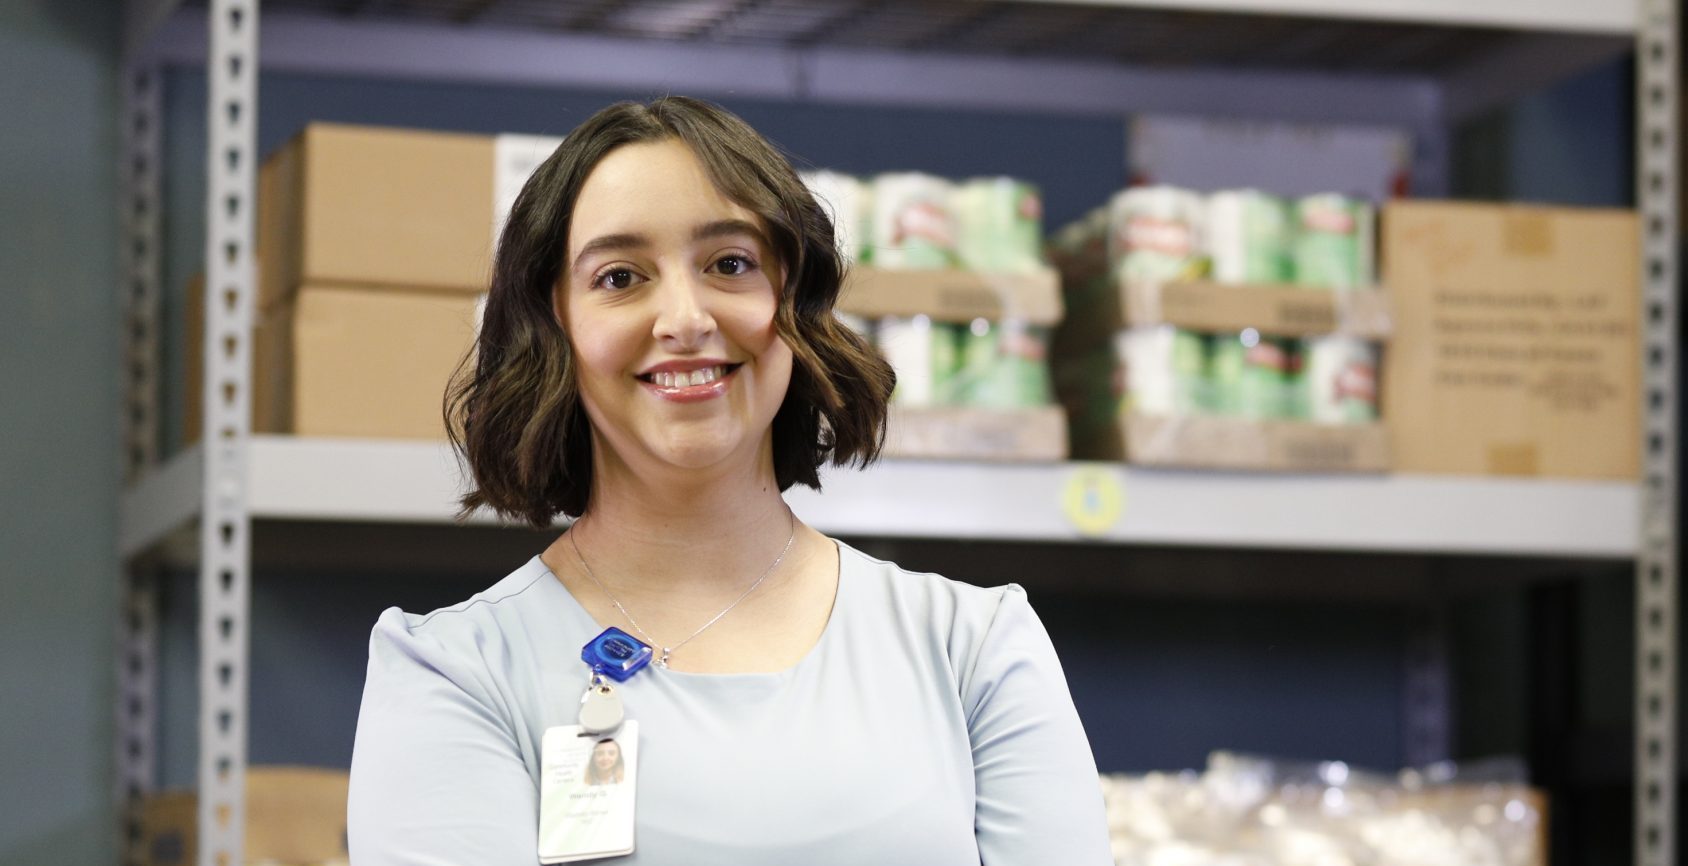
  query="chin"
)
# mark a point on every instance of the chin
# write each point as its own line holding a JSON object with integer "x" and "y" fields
{"x": 700, "y": 449}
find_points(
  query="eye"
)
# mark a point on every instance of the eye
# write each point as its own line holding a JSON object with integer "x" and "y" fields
{"x": 614, "y": 278}
{"x": 733, "y": 265}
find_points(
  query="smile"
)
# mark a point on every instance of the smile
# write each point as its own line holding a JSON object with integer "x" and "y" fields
{"x": 684, "y": 379}
{"x": 687, "y": 386}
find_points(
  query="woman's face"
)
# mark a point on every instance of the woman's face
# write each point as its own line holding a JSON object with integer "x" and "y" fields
{"x": 668, "y": 297}
{"x": 604, "y": 756}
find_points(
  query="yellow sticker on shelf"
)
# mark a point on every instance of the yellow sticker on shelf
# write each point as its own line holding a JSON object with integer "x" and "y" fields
{"x": 1093, "y": 499}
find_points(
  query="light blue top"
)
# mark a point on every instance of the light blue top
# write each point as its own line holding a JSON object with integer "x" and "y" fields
{"x": 930, "y": 725}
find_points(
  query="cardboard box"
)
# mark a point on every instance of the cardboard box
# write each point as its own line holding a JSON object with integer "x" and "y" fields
{"x": 366, "y": 206}
{"x": 1218, "y": 442}
{"x": 294, "y": 815}
{"x": 1516, "y": 348}
{"x": 1099, "y": 310}
{"x": 355, "y": 362}
{"x": 347, "y": 361}
{"x": 1280, "y": 310}
{"x": 953, "y": 295}
{"x": 961, "y": 433}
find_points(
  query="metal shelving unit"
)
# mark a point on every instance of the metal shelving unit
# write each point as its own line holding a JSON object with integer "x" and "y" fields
{"x": 1417, "y": 64}
{"x": 1657, "y": 72}
{"x": 417, "y": 482}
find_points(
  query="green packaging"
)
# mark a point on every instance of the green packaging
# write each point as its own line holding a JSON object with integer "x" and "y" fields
{"x": 1154, "y": 234}
{"x": 1341, "y": 380}
{"x": 1004, "y": 365}
{"x": 1248, "y": 237}
{"x": 913, "y": 222}
{"x": 1333, "y": 239}
{"x": 923, "y": 354}
{"x": 946, "y": 364}
{"x": 1162, "y": 370}
{"x": 1000, "y": 222}
{"x": 1190, "y": 373}
{"x": 1295, "y": 396}
{"x": 1250, "y": 375}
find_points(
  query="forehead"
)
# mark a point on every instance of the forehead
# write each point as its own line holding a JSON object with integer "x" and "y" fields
{"x": 646, "y": 187}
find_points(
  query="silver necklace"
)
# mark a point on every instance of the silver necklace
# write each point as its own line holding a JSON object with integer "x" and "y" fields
{"x": 662, "y": 660}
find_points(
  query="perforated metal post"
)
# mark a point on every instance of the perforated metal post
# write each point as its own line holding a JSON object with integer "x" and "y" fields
{"x": 138, "y": 255}
{"x": 225, "y": 525}
{"x": 1428, "y": 727}
{"x": 1656, "y": 597}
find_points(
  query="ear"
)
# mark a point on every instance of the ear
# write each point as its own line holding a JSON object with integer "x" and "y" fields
{"x": 559, "y": 303}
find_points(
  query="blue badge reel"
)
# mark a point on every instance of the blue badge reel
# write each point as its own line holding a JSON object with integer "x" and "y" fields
{"x": 616, "y": 654}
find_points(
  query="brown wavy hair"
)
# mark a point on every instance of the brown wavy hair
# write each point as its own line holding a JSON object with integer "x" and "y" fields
{"x": 514, "y": 415}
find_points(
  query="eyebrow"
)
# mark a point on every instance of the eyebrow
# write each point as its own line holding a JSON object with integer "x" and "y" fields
{"x": 707, "y": 231}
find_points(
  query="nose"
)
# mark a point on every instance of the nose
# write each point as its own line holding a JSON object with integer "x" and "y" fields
{"x": 683, "y": 321}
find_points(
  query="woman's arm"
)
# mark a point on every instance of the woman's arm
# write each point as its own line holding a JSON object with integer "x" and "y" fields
{"x": 436, "y": 777}
{"x": 1038, "y": 797}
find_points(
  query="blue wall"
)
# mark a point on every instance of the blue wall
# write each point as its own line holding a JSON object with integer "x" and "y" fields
{"x": 58, "y": 430}
{"x": 1573, "y": 144}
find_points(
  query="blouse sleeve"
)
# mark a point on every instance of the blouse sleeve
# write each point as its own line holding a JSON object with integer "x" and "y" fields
{"x": 1038, "y": 797}
{"x": 437, "y": 777}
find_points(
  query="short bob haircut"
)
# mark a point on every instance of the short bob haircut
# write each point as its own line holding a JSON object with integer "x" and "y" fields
{"x": 515, "y": 418}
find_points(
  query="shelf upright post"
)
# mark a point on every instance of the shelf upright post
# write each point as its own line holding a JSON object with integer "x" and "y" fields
{"x": 1656, "y": 573}
{"x": 140, "y": 206}
{"x": 1428, "y": 722}
{"x": 225, "y": 525}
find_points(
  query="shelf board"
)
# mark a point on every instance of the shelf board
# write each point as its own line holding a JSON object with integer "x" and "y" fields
{"x": 417, "y": 482}
{"x": 1296, "y": 60}
{"x": 1576, "y": 16}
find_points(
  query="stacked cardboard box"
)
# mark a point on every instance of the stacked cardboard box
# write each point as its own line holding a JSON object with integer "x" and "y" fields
{"x": 959, "y": 298}
{"x": 1512, "y": 344}
{"x": 374, "y": 247}
{"x": 1112, "y": 316}
{"x": 295, "y": 816}
{"x": 948, "y": 279}
{"x": 1517, "y": 341}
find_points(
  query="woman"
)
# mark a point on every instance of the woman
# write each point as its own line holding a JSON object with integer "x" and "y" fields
{"x": 659, "y": 359}
{"x": 606, "y": 766}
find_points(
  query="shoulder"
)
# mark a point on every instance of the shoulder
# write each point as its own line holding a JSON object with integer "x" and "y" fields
{"x": 464, "y": 634}
{"x": 941, "y": 597}
{"x": 964, "y": 619}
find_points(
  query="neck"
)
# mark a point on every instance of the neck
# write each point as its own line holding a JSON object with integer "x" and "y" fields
{"x": 694, "y": 537}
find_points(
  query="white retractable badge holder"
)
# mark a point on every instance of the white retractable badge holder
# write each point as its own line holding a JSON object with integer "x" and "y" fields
{"x": 600, "y": 707}
{"x": 587, "y": 772}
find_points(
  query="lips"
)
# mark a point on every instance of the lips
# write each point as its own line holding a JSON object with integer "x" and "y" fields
{"x": 689, "y": 381}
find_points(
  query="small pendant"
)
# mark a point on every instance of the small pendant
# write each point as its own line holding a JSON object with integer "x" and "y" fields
{"x": 663, "y": 662}
{"x": 600, "y": 707}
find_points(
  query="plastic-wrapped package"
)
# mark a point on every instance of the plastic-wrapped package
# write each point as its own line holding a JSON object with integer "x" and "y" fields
{"x": 1252, "y": 811}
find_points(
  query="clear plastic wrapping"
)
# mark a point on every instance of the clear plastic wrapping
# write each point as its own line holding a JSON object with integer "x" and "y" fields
{"x": 1251, "y": 811}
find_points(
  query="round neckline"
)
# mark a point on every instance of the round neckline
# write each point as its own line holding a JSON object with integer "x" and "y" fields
{"x": 704, "y": 676}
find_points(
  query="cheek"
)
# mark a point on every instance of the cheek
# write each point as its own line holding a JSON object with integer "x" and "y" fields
{"x": 773, "y": 354}
{"x": 756, "y": 323}
{"x": 599, "y": 352}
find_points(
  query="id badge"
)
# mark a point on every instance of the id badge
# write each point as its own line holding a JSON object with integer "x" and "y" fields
{"x": 586, "y": 793}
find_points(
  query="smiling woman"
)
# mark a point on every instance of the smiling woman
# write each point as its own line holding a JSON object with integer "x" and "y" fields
{"x": 660, "y": 361}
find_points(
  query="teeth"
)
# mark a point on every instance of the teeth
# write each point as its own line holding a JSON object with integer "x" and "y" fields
{"x": 685, "y": 380}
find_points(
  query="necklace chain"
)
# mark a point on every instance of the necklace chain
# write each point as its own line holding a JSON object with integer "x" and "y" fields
{"x": 669, "y": 650}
